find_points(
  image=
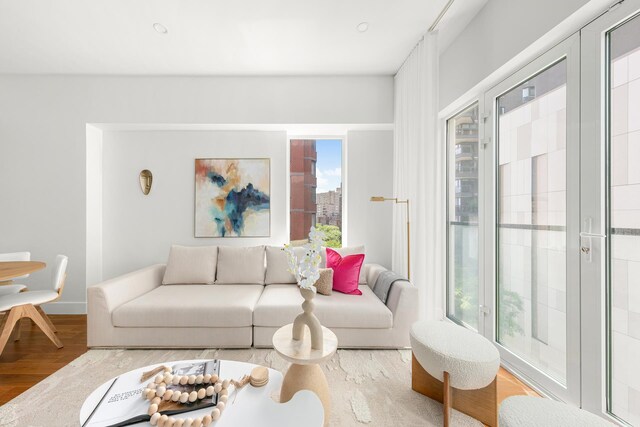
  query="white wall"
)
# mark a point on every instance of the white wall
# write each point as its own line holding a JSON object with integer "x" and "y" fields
{"x": 138, "y": 229}
{"x": 501, "y": 31}
{"x": 370, "y": 173}
{"x": 94, "y": 204}
{"x": 43, "y": 139}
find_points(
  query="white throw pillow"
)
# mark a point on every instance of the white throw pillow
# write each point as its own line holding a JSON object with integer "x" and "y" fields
{"x": 191, "y": 264}
{"x": 277, "y": 265}
{"x": 344, "y": 251}
{"x": 240, "y": 265}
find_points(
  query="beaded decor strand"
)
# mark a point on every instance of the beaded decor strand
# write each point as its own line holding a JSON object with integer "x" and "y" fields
{"x": 156, "y": 392}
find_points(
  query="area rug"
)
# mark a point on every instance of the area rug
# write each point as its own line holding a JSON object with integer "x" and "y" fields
{"x": 367, "y": 386}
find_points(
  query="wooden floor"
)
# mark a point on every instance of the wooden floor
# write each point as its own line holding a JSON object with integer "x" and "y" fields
{"x": 33, "y": 358}
{"x": 508, "y": 385}
{"x": 28, "y": 361}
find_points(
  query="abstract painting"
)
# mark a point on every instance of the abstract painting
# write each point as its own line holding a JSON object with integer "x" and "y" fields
{"x": 232, "y": 198}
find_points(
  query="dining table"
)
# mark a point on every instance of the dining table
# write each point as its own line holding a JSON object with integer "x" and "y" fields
{"x": 9, "y": 270}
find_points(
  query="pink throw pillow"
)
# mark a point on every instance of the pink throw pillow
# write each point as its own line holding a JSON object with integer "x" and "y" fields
{"x": 346, "y": 271}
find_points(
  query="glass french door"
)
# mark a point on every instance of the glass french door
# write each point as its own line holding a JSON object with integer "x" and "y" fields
{"x": 533, "y": 194}
{"x": 611, "y": 213}
{"x": 555, "y": 282}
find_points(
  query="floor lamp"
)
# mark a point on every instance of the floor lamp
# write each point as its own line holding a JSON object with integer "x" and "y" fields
{"x": 404, "y": 202}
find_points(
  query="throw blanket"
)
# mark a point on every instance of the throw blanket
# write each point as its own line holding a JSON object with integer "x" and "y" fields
{"x": 385, "y": 280}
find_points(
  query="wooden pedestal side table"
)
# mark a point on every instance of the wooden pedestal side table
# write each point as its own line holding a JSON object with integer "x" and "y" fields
{"x": 305, "y": 373}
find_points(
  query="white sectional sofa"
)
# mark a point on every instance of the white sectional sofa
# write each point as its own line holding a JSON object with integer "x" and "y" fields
{"x": 137, "y": 310}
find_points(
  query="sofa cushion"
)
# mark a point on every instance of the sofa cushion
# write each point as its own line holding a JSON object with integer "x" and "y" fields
{"x": 240, "y": 265}
{"x": 190, "y": 306}
{"x": 347, "y": 250}
{"x": 280, "y": 304}
{"x": 277, "y": 265}
{"x": 190, "y": 265}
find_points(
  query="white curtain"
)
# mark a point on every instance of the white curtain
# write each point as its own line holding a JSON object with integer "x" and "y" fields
{"x": 419, "y": 167}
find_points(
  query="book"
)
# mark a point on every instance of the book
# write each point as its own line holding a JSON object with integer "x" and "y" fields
{"x": 123, "y": 403}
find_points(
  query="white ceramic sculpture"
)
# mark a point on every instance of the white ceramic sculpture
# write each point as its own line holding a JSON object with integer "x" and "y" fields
{"x": 307, "y": 272}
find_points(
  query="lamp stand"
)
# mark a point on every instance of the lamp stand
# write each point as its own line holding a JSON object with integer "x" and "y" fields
{"x": 406, "y": 202}
{"x": 408, "y": 238}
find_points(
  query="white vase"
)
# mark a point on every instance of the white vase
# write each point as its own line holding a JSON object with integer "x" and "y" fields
{"x": 309, "y": 319}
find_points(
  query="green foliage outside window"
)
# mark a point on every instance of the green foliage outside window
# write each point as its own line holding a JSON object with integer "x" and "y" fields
{"x": 466, "y": 303}
{"x": 466, "y": 297}
{"x": 332, "y": 235}
{"x": 510, "y": 310}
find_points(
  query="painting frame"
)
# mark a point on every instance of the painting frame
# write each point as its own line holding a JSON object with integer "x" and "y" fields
{"x": 196, "y": 235}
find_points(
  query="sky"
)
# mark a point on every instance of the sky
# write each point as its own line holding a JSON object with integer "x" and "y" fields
{"x": 329, "y": 164}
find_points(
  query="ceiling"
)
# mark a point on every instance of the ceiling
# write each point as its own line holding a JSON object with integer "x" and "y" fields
{"x": 216, "y": 37}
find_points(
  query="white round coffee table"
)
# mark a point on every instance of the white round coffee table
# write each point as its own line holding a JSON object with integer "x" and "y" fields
{"x": 252, "y": 406}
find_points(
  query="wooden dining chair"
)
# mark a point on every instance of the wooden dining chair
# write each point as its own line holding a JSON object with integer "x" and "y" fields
{"x": 12, "y": 289}
{"x": 27, "y": 304}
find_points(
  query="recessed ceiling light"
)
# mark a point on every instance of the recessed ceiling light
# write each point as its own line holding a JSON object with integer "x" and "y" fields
{"x": 161, "y": 29}
{"x": 362, "y": 27}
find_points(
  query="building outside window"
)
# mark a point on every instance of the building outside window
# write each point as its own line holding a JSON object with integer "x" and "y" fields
{"x": 462, "y": 169}
{"x": 316, "y": 189}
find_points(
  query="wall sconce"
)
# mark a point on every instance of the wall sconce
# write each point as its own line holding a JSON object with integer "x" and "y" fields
{"x": 146, "y": 181}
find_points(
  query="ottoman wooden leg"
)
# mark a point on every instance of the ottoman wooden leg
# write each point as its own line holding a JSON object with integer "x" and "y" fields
{"x": 481, "y": 404}
{"x": 446, "y": 399}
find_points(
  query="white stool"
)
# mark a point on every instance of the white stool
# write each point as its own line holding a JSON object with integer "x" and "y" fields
{"x": 457, "y": 367}
{"x": 529, "y": 411}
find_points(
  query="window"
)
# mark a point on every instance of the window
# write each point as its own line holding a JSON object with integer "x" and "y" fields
{"x": 316, "y": 189}
{"x": 462, "y": 165}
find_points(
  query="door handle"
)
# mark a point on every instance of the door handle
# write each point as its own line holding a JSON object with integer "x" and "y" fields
{"x": 588, "y": 236}
{"x": 585, "y": 234}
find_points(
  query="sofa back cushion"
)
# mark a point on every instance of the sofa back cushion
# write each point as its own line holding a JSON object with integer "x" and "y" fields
{"x": 191, "y": 265}
{"x": 277, "y": 265}
{"x": 240, "y": 265}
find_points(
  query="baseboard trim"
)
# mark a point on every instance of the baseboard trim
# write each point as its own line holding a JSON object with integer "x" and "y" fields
{"x": 65, "y": 308}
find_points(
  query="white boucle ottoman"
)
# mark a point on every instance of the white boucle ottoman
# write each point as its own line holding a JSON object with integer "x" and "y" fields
{"x": 529, "y": 411}
{"x": 457, "y": 367}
